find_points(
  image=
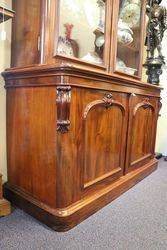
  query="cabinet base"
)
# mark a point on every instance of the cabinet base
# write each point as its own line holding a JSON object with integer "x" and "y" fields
{"x": 66, "y": 218}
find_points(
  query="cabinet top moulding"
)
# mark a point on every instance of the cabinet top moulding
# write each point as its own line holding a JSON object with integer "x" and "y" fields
{"x": 12, "y": 76}
{"x": 7, "y": 14}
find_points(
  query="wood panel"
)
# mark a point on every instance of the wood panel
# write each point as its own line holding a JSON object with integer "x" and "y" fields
{"x": 142, "y": 127}
{"x": 103, "y": 136}
{"x": 31, "y": 140}
{"x": 25, "y": 32}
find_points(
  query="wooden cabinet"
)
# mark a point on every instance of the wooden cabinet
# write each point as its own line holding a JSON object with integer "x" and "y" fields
{"x": 81, "y": 125}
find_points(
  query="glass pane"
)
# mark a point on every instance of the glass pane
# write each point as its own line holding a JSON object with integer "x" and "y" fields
{"x": 81, "y": 29}
{"x": 128, "y": 49}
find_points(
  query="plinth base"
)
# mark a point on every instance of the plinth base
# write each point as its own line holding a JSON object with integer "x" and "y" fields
{"x": 66, "y": 218}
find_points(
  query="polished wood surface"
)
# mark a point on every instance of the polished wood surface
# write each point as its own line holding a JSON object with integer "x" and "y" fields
{"x": 31, "y": 142}
{"x": 142, "y": 129}
{"x": 78, "y": 134}
{"x": 25, "y": 32}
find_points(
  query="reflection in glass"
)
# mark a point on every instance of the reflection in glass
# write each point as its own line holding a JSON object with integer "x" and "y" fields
{"x": 81, "y": 29}
{"x": 128, "y": 48}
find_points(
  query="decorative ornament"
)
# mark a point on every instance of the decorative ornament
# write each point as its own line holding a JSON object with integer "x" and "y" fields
{"x": 157, "y": 24}
{"x": 74, "y": 44}
{"x": 125, "y": 34}
{"x": 130, "y": 14}
{"x": 101, "y": 5}
{"x": 63, "y": 108}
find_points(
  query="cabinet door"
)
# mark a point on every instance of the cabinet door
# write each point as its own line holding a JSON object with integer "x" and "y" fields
{"x": 141, "y": 131}
{"x": 104, "y": 127}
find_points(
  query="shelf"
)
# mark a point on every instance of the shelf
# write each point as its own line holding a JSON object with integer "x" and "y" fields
{"x": 131, "y": 47}
{"x": 8, "y": 14}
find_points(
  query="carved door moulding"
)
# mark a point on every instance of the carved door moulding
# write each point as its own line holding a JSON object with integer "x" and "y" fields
{"x": 145, "y": 104}
{"x": 106, "y": 102}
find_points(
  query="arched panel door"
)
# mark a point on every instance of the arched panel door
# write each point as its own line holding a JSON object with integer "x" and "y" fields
{"x": 141, "y": 131}
{"x": 104, "y": 135}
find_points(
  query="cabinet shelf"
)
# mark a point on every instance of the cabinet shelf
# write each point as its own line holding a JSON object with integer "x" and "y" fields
{"x": 7, "y": 14}
{"x": 131, "y": 47}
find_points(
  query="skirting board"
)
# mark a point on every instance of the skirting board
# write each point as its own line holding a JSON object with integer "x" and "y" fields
{"x": 66, "y": 218}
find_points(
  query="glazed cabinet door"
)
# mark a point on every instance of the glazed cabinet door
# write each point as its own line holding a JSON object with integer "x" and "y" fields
{"x": 141, "y": 131}
{"x": 128, "y": 37}
{"x": 104, "y": 127}
{"x": 83, "y": 35}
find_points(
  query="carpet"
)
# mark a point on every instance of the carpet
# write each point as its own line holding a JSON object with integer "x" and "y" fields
{"x": 137, "y": 220}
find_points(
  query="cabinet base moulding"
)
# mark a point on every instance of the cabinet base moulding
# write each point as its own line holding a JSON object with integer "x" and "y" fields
{"x": 66, "y": 218}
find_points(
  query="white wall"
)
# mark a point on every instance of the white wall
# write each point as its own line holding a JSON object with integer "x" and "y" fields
{"x": 5, "y": 48}
{"x": 161, "y": 144}
{"x": 161, "y": 141}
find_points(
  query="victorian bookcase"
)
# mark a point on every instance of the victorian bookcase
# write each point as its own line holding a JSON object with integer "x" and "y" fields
{"x": 81, "y": 124}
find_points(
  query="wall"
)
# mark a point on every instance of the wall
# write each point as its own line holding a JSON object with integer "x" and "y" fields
{"x": 161, "y": 141}
{"x": 161, "y": 144}
{"x": 5, "y": 48}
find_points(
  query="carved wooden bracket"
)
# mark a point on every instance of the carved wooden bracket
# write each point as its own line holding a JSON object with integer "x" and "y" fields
{"x": 63, "y": 108}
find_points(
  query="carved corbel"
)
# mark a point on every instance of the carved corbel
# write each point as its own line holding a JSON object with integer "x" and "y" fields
{"x": 108, "y": 100}
{"x": 63, "y": 108}
{"x": 146, "y": 102}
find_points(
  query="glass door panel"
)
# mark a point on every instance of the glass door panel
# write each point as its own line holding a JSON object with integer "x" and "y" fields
{"x": 129, "y": 36}
{"x": 81, "y": 33}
